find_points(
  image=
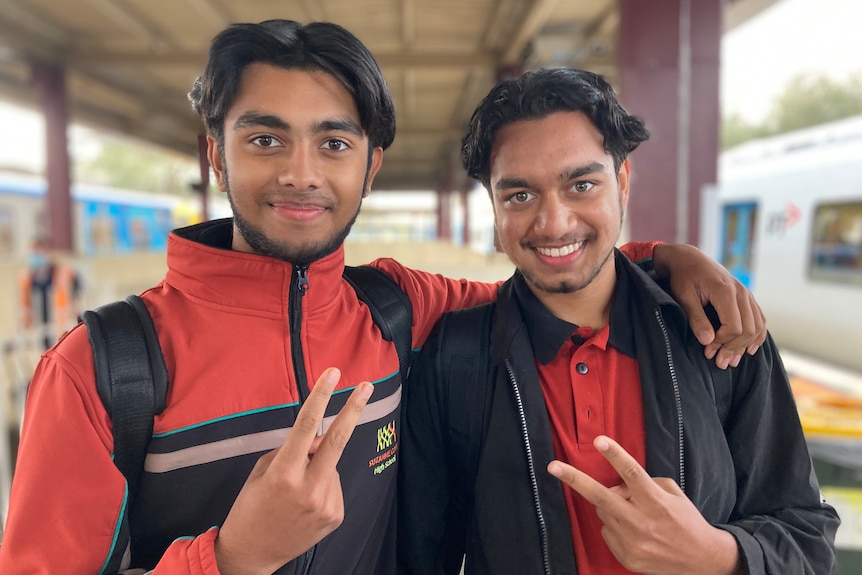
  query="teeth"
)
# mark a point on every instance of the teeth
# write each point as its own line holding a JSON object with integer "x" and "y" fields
{"x": 560, "y": 252}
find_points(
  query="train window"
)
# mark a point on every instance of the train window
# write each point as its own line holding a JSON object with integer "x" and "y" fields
{"x": 738, "y": 227}
{"x": 836, "y": 249}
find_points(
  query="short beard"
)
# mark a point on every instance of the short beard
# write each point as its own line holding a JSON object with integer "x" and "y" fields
{"x": 570, "y": 287}
{"x": 291, "y": 253}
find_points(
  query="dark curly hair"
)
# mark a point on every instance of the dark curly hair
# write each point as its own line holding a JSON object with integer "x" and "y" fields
{"x": 539, "y": 93}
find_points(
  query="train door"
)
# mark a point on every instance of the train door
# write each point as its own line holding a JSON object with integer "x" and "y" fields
{"x": 737, "y": 240}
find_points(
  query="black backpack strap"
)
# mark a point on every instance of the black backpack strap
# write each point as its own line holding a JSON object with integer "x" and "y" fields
{"x": 131, "y": 379}
{"x": 390, "y": 309}
{"x": 464, "y": 344}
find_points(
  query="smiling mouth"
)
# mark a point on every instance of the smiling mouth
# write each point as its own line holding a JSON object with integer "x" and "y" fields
{"x": 561, "y": 251}
{"x": 299, "y": 212}
{"x": 298, "y": 205}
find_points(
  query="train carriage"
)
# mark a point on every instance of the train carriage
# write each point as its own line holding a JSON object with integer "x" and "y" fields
{"x": 790, "y": 213}
{"x": 106, "y": 221}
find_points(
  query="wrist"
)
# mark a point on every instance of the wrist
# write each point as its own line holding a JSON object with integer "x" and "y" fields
{"x": 230, "y": 562}
{"x": 664, "y": 254}
{"x": 727, "y": 558}
{"x": 660, "y": 260}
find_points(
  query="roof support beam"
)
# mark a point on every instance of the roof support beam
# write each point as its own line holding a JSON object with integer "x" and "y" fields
{"x": 408, "y": 24}
{"x": 126, "y": 18}
{"x": 314, "y": 10}
{"x": 25, "y": 39}
{"x": 737, "y": 12}
{"x": 216, "y": 17}
{"x": 536, "y": 18}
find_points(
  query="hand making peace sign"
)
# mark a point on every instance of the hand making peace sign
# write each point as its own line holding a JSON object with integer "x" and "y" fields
{"x": 650, "y": 525}
{"x": 292, "y": 498}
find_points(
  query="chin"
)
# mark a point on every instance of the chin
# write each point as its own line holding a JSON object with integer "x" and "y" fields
{"x": 553, "y": 285}
{"x": 563, "y": 287}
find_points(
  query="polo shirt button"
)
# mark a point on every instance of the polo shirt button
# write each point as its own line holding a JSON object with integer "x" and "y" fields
{"x": 582, "y": 368}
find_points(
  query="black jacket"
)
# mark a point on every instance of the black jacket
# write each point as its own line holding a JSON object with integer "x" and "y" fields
{"x": 730, "y": 438}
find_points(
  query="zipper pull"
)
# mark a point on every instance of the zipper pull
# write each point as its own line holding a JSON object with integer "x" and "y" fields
{"x": 301, "y": 279}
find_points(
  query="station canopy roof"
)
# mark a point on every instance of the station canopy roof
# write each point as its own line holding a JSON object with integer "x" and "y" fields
{"x": 130, "y": 63}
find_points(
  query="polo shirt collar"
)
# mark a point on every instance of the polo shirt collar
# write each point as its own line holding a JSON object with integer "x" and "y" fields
{"x": 548, "y": 333}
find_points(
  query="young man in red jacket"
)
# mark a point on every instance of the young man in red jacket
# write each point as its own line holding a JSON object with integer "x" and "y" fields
{"x": 250, "y": 469}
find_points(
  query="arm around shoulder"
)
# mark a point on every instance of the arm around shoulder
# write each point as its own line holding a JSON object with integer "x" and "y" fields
{"x": 697, "y": 281}
{"x": 433, "y": 295}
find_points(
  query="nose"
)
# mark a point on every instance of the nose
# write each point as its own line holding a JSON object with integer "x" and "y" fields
{"x": 301, "y": 169}
{"x": 554, "y": 218}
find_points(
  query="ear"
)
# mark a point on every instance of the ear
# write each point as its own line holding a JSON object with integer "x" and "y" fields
{"x": 376, "y": 162}
{"x": 216, "y": 162}
{"x": 623, "y": 181}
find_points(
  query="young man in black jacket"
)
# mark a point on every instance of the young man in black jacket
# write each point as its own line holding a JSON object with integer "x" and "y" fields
{"x": 668, "y": 464}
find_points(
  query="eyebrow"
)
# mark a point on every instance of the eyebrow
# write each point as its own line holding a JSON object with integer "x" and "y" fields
{"x": 338, "y": 125}
{"x": 581, "y": 171}
{"x": 258, "y": 119}
{"x": 509, "y": 183}
{"x": 573, "y": 174}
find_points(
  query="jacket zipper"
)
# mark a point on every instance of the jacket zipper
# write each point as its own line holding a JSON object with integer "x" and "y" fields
{"x": 307, "y": 558}
{"x": 298, "y": 287}
{"x": 543, "y": 528}
{"x": 676, "y": 398}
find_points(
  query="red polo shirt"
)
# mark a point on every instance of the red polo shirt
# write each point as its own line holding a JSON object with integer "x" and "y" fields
{"x": 592, "y": 387}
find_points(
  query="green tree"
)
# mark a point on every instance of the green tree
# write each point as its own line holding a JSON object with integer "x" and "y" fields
{"x": 807, "y": 101}
{"x": 735, "y": 130}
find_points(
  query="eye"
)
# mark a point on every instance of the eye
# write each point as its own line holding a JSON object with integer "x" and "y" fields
{"x": 335, "y": 145}
{"x": 582, "y": 187}
{"x": 519, "y": 197}
{"x": 266, "y": 141}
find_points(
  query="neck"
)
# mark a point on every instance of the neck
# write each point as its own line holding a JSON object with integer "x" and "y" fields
{"x": 589, "y": 306}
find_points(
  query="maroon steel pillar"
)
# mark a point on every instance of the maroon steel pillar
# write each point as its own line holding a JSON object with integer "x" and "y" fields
{"x": 669, "y": 73}
{"x": 444, "y": 214}
{"x": 49, "y": 80}
{"x": 444, "y": 205}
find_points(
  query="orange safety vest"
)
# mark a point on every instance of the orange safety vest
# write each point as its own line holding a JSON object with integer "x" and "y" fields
{"x": 62, "y": 310}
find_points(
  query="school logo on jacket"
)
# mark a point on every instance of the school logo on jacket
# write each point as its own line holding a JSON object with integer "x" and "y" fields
{"x": 387, "y": 442}
{"x": 386, "y": 436}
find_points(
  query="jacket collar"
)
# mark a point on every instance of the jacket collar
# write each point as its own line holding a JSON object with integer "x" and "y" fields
{"x": 547, "y": 332}
{"x": 202, "y": 264}
{"x": 639, "y": 289}
{"x": 636, "y": 305}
